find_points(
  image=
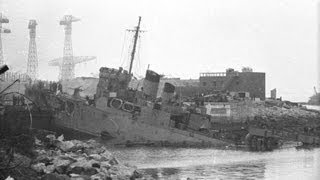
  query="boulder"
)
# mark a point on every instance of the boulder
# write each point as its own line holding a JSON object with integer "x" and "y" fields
{"x": 96, "y": 165}
{"x": 65, "y": 146}
{"x": 113, "y": 161}
{"x": 96, "y": 157}
{"x": 61, "y": 162}
{"x": 43, "y": 158}
{"x": 94, "y": 150}
{"x": 106, "y": 155}
{"x": 121, "y": 172}
{"x": 55, "y": 176}
{"x": 79, "y": 177}
{"x": 77, "y": 170}
{"x": 9, "y": 178}
{"x": 60, "y": 138}
{"x": 105, "y": 164}
{"x": 39, "y": 167}
{"x": 49, "y": 169}
{"x": 90, "y": 171}
{"x": 136, "y": 174}
{"x": 98, "y": 177}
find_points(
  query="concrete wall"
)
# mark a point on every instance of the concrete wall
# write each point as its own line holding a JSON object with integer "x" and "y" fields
{"x": 234, "y": 112}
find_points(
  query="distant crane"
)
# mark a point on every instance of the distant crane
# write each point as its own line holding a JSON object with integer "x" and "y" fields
{"x": 32, "y": 65}
{"x": 68, "y": 61}
{"x": 3, "y": 19}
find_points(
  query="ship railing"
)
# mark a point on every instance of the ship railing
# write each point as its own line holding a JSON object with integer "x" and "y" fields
{"x": 219, "y": 74}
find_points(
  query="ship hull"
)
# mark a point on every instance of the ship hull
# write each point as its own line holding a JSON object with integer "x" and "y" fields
{"x": 152, "y": 126}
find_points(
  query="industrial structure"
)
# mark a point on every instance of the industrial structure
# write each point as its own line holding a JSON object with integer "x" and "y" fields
{"x": 32, "y": 65}
{"x": 3, "y": 19}
{"x": 68, "y": 61}
{"x": 245, "y": 84}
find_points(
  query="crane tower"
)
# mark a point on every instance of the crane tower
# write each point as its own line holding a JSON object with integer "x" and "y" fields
{"x": 3, "y": 19}
{"x": 68, "y": 61}
{"x": 32, "y": 66}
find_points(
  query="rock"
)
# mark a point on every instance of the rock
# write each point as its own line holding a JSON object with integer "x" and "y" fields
{"x": 51, "y": 137}
{"x": 104, "y": 171}
{"x": 37, "y": 141}
{"x": 82, "y": 162}
{"x": 65, "y": 145}
{"x": 39, "y": 167}
{"x": 9, "y": 178}
{"x": 44, "y": 159}
{"x": 61, "y": 162}
{"x": 60, "y": 138}
{"x": 96, "y": 157}
{"x": 97, "y": 177}
{"x": 77, "y": 170}
{"x": 94, "y": 150}
{"x": 49, "y": 169}
{"x": 121, "y": 172}
{"x": 62, "y": 169}
{"x": 79, "y": 177}
{"x": 90, "y": 171}
{"x": 105, "y": 164}
{"x": 55, "y": 176}
{"x": 106, "y": 155}
{"x": 96, "y": 165}
{"x": 113, "y": 161}
{"x": 136, "y": 175}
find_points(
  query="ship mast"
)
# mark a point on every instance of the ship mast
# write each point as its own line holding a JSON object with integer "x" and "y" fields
{"x": 136, "y": 36}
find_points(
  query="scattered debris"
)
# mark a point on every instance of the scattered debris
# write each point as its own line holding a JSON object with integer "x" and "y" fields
{"x": 79, "y": 160}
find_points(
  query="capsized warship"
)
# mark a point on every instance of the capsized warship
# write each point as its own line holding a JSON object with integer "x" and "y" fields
{"x": 126, "y": 116}
{"x": 129, "y": 116}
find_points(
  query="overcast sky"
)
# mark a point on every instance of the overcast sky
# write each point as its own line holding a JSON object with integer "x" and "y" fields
{"x": 182, "y": 38}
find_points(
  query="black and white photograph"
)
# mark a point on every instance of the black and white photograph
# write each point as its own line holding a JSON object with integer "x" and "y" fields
{"x": 159, "y": 90}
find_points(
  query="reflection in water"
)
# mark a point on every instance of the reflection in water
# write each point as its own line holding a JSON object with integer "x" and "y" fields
{"x": 253, "y": 170}
{"x": 179, "y": 163}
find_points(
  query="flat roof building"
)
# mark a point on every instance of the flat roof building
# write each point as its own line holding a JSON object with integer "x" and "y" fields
{"x": 246, "y": 83}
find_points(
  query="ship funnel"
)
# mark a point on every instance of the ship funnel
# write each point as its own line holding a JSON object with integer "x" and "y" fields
{"x": 151, "y": 84}
{"x": 168, "y": 92}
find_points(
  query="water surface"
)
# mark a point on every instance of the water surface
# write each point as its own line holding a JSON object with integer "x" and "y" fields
{"x": 183, "y": 163}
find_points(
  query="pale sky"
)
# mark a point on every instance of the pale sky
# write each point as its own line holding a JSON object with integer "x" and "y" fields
{"x": 183, "y": 38}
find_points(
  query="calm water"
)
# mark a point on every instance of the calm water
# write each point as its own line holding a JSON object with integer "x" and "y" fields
{"x": 180, "y": 163}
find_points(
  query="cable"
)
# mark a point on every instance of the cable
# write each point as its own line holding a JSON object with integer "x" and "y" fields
{"x": 122, "y": 49}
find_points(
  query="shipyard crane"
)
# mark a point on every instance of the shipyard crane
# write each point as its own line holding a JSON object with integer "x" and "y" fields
{"x": 68, "y": 61}
{"x": 32, "y": 65}
{"x": 3, "y": 19}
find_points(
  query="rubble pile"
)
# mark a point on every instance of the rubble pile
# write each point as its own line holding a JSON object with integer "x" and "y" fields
{"x": 74, "y": 159}
{"x": 284, "y": 116}
{"x": 274, "y": 108}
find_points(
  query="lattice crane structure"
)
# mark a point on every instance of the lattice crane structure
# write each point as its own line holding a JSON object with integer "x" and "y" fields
{"x": 3, "y": 20}
{"x": 68, "y": 61}
{"x": 32, "y": 65}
